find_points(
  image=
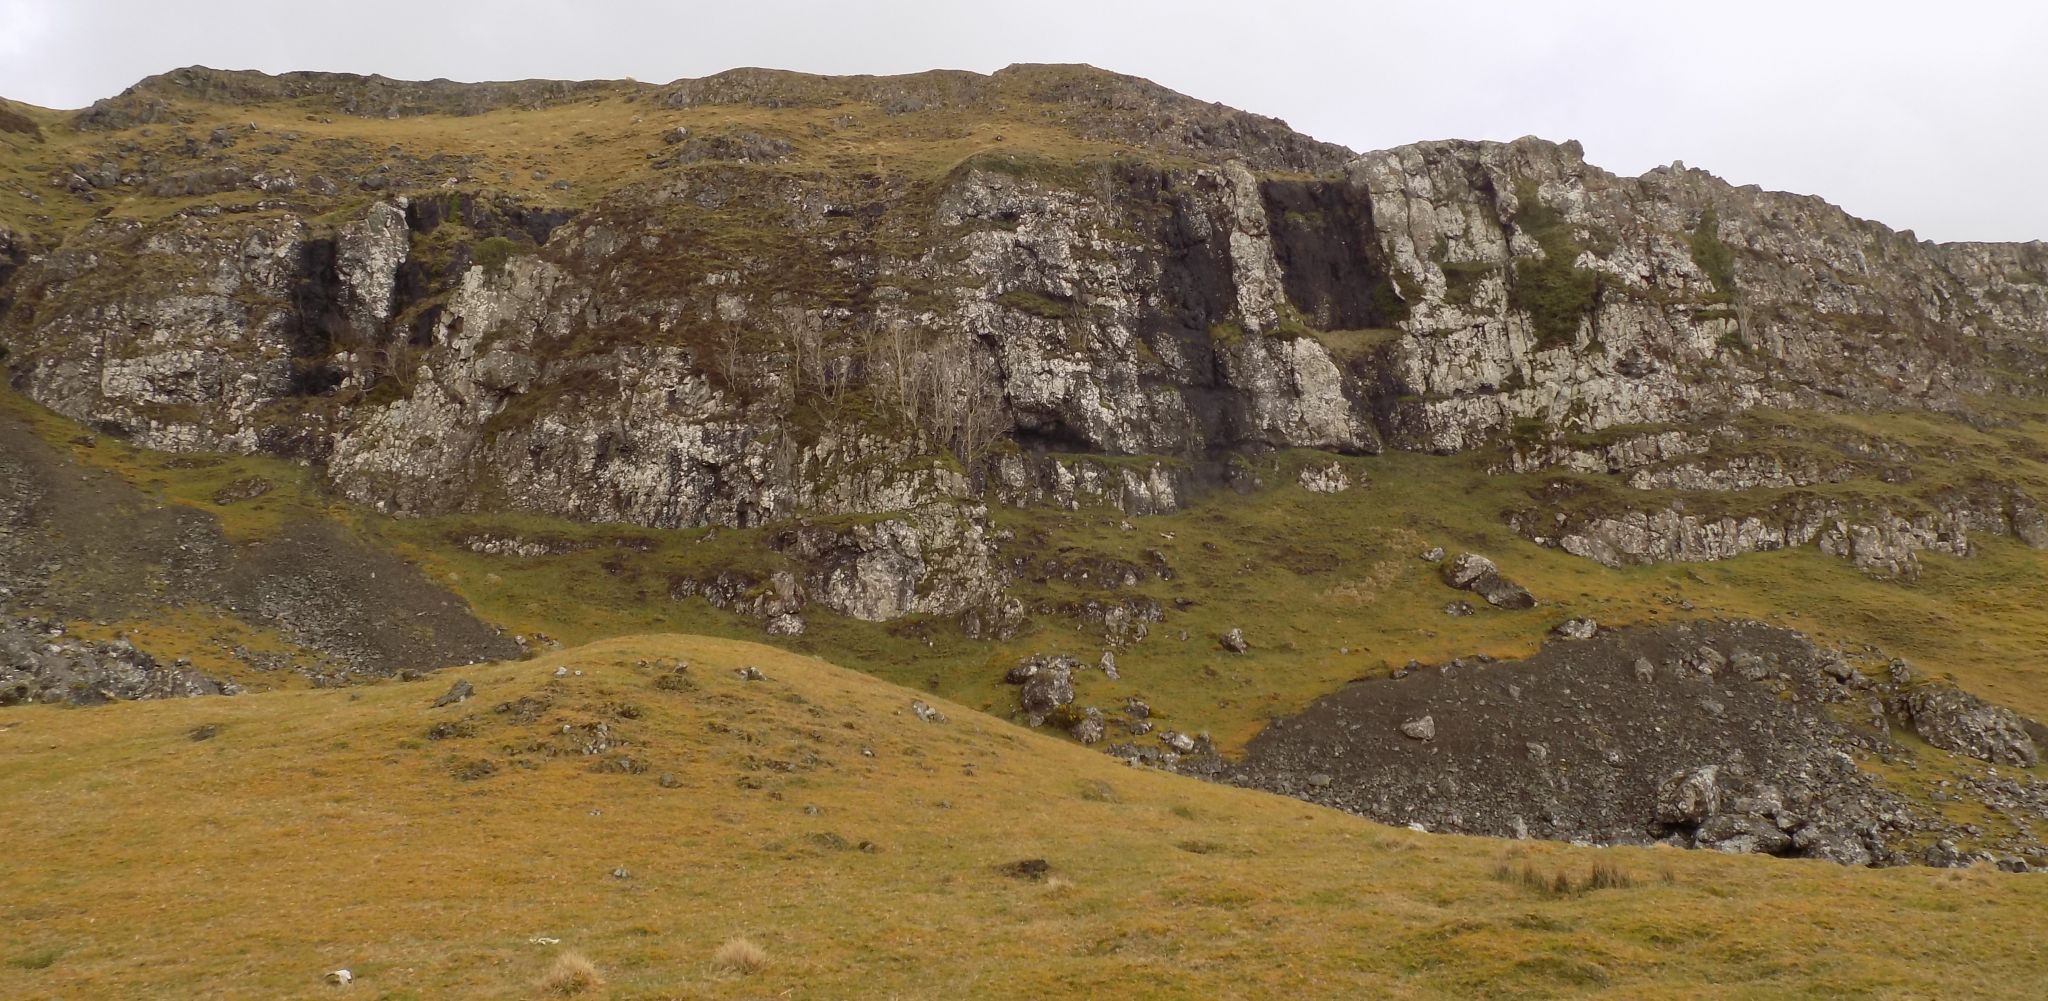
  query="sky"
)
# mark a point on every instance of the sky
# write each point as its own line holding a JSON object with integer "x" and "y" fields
{"x": 1924, "y": 116}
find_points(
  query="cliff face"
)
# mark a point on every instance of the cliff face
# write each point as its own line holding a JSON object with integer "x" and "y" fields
{"x": 788, "y": 296}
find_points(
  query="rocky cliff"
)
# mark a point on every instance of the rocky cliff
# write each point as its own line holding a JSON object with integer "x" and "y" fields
{"x": 763, "y": 296}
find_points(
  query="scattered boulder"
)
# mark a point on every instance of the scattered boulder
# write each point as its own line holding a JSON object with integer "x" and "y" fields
{"x": 1954, "y": 720}
{"x": 1458, "y": 609}
{"x": 1109, "y": 665}
{"x": 1233, "y": 641}
{"x": 1834, "y": 666}
{"x": 1136, "y": 708}
{"x": 1330, "y": 479}
{"x": 246, "y": 488}
{"x": 750, "y": 673}
{"x": 1576, "y": 629}
{"x": 1477, "y": 574}
{"x": 1031, "y": 870}
{"x": 1741, "y": 834}
{"x": 1434, "y": 554}
{"x": 1089, "y": 728}
{"x": 925, "y": 712}
{"x": 1420, "y": 728}
{"x": 1050, "y": 686}
{"x": 1943, "y": 854}
{"x": 1750, "y": 667}
{"x": 473, "y": 770}
{"x": 456, "y": 693}
{"x": 453, "y": 729}
{"x": 1901, "y": 672}
{"x": 1689, "y": 797}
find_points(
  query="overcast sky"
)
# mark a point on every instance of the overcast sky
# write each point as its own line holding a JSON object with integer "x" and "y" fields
{"x": 1930, "y": 116}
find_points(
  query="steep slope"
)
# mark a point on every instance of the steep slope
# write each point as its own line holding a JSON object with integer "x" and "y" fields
{"x": 109, "y": 591}
{"x": 249, "y": 845}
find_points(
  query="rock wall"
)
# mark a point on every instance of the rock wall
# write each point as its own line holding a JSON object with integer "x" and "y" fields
{"x": 649, "y": 360}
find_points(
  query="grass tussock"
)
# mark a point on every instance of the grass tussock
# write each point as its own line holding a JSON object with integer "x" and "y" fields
{"x": 1560, "y": 883}
{"x": 740, "y": 957}
{"x": 571, "y": 975}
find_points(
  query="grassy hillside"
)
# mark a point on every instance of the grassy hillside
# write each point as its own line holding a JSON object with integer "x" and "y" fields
{"x": 325, "y": 829}
{"x": 568, "y": 152}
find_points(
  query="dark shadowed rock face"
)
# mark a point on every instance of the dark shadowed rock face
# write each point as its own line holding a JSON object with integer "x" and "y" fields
{"x": 1710, "y": 735}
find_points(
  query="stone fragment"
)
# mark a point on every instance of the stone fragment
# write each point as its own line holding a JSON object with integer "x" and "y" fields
{"x": 1477, "y": 574}
{"x": 456, "y": 693}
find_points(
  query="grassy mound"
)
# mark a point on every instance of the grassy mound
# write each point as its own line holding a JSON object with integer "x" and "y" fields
{"x": 433, "y": 851}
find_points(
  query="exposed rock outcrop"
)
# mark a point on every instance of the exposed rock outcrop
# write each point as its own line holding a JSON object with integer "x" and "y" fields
{"x": 1878, "y": 537}
{"x": 1477, "y": 574}
{"x": 1016, "y": 328}
{"x": 1955, "y": 720}
{"x": 1149, "y": 310}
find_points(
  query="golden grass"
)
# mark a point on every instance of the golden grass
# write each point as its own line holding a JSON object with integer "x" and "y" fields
{"x": 598, "y": 145}
{"x": 320, "y": 829}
